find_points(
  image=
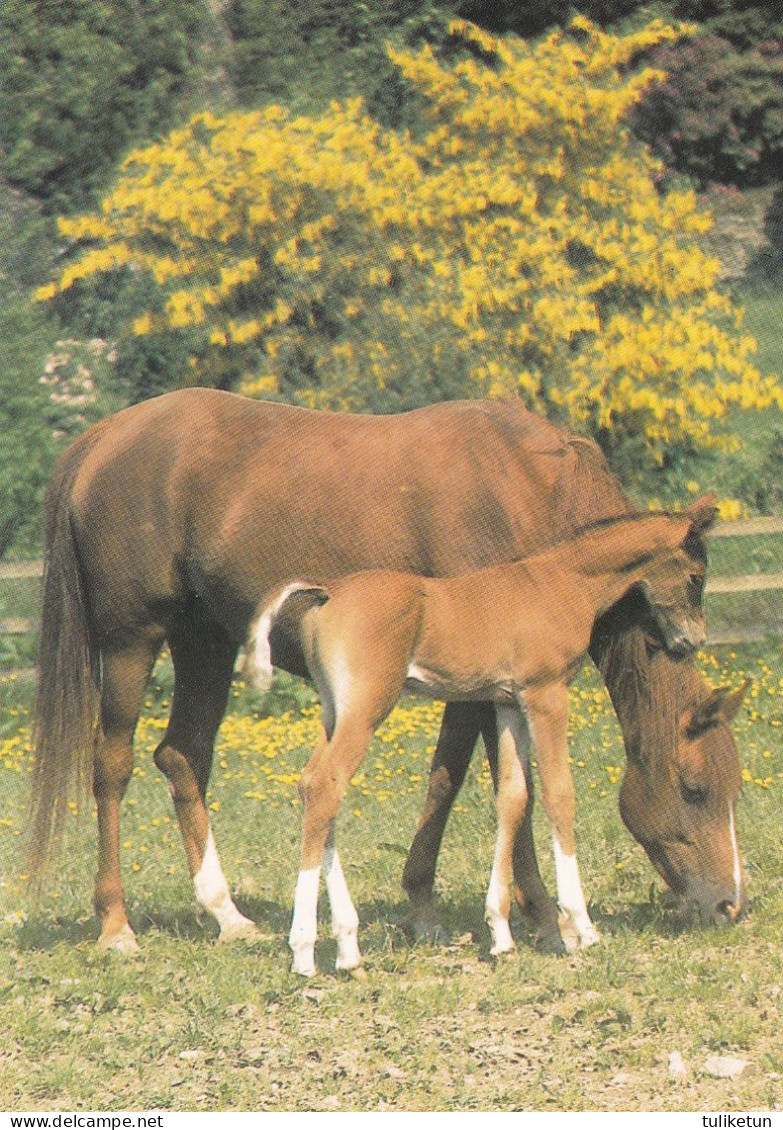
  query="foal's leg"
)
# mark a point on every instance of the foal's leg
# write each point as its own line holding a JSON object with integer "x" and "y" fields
{"x": 322, "y": 786}
{"x": 547, "y": 714}
{"x": 345, "y": 920}
{"x": 124, "y": 678}
{"x": 530, "y": 891}
{"x": 513, "y": 753}
{"x": 203, "y": 666}
{"x": 458, "y": 735}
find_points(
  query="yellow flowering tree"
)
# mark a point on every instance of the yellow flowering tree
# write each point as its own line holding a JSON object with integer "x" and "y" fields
{"x": 517, "y": 245}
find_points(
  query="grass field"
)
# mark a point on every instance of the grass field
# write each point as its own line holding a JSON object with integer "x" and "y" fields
{"x": 195, "y": 1025}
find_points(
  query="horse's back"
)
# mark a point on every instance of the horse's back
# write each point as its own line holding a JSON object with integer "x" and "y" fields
{"x": 206, "y": 494}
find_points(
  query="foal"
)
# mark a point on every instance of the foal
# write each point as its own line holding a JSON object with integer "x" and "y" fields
{"x": 513, "y": 634}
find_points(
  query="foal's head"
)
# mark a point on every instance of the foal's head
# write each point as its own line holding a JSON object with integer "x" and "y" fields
{"x": 673, "y": 583}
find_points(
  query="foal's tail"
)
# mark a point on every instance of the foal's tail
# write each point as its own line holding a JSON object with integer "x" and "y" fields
{"x": 66, "y": 714}
{"x": 283, "y": 610}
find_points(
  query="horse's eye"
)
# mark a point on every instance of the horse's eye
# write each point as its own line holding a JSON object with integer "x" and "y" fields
{"x": 693, "y": 794}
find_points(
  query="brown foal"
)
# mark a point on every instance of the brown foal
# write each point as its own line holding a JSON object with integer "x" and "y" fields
{"x": 512, "y": 634}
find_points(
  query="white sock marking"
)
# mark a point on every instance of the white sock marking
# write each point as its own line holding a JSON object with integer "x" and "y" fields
{"x": 345, "y": 920}
{"x": 502, "y": 939}
{"x": 304, "y": 924}
{"x": 213, "y": 894}
{"x": 570, "y": 895}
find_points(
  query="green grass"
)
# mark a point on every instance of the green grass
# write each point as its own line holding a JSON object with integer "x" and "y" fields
{"x": 764, "y": 319}
{"x": 731, "y": 614}
{"x": 195, "y": 1025}
{"x": 752, "y": 474}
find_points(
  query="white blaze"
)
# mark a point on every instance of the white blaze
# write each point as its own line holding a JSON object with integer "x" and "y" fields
{"x": 737, "y": 863}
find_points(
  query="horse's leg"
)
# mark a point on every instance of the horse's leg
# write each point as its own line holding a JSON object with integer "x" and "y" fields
{"x": 123, "y": 681}
{"x": 458, "y": 735}
{"x": 203, "y": 665}
{"x": 547, "y": 715}
{"x": 531, "y": 893}
{"x": 322, "y": 786}
{"x": 513, "y": 753}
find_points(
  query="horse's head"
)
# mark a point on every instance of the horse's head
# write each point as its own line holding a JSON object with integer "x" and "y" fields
{"x": 681, "y": 806}
{"x": 674, "y": 581}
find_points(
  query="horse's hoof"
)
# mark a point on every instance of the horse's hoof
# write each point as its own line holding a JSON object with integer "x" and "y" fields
{"x": 358, "y": 973}
{"x": 502, "y": 954}
{"x": 123, "y": 943}
{"x": 246, "y": 931}
{"x": 551, "y": 941}
{"x": 588, "y": 938}
{"x": 569, "y": 933}
{"x": 425, "y": 928}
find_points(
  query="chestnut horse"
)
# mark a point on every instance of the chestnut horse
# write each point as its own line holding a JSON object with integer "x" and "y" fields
{"x": 174, "y": 519}
{"x": 513, "y": 635}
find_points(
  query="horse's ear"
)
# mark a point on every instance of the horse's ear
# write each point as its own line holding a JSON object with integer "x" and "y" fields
{"x": 720, "y": 706}
{"x": 703, "y": 513}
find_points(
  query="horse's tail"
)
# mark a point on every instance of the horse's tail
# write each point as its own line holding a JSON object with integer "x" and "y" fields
{"x": 67, "y": 705}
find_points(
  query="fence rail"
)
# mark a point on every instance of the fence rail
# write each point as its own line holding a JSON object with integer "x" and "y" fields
{"x": 750, "y": 582}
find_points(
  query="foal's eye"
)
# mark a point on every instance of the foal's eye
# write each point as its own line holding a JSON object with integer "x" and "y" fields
{"x": 693, "y": 794}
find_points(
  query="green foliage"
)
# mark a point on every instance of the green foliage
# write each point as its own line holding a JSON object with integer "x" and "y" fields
{"x": 105, "y": 308}
{"x": 81, "y": 80}
{"x": 767, "y": 265}
{"x": 338, "y": 45}
{"x": 719, "y": 115}
{"x": 745, "y": 23}
{"x": 518, "y": 247}
{"x": 27, "y": 447}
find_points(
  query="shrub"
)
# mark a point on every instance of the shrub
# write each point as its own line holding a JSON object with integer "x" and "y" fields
{"x": 518, "y": 246}
{"x": 719, "y": 114}
{"x": 766, "y": 267}
{"x": 82, "y": 80}
{"x": 28, "y": 447}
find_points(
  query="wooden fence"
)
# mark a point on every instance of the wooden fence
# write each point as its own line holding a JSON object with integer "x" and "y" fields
{"x": 750, "y": 582}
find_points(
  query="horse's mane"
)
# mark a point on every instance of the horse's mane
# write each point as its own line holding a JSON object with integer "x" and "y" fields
{"x": 642, "y": 683}
{"x": 588, "y": 479}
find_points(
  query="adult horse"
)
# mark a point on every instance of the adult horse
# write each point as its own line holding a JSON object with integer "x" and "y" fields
{"x": 174, "y": 519}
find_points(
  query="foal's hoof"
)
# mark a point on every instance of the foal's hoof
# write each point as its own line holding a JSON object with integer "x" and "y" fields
{"x": 245, "y": 931}
{"x": 123, "y": 943}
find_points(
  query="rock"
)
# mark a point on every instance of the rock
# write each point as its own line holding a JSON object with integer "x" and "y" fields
{"x": 726, "y": 1066}
{"x": 677, "y": 1069}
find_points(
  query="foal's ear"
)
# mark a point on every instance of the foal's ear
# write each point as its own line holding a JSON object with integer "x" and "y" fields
{"x": 703, "y": 513}
{"x": 720, "y": 706}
